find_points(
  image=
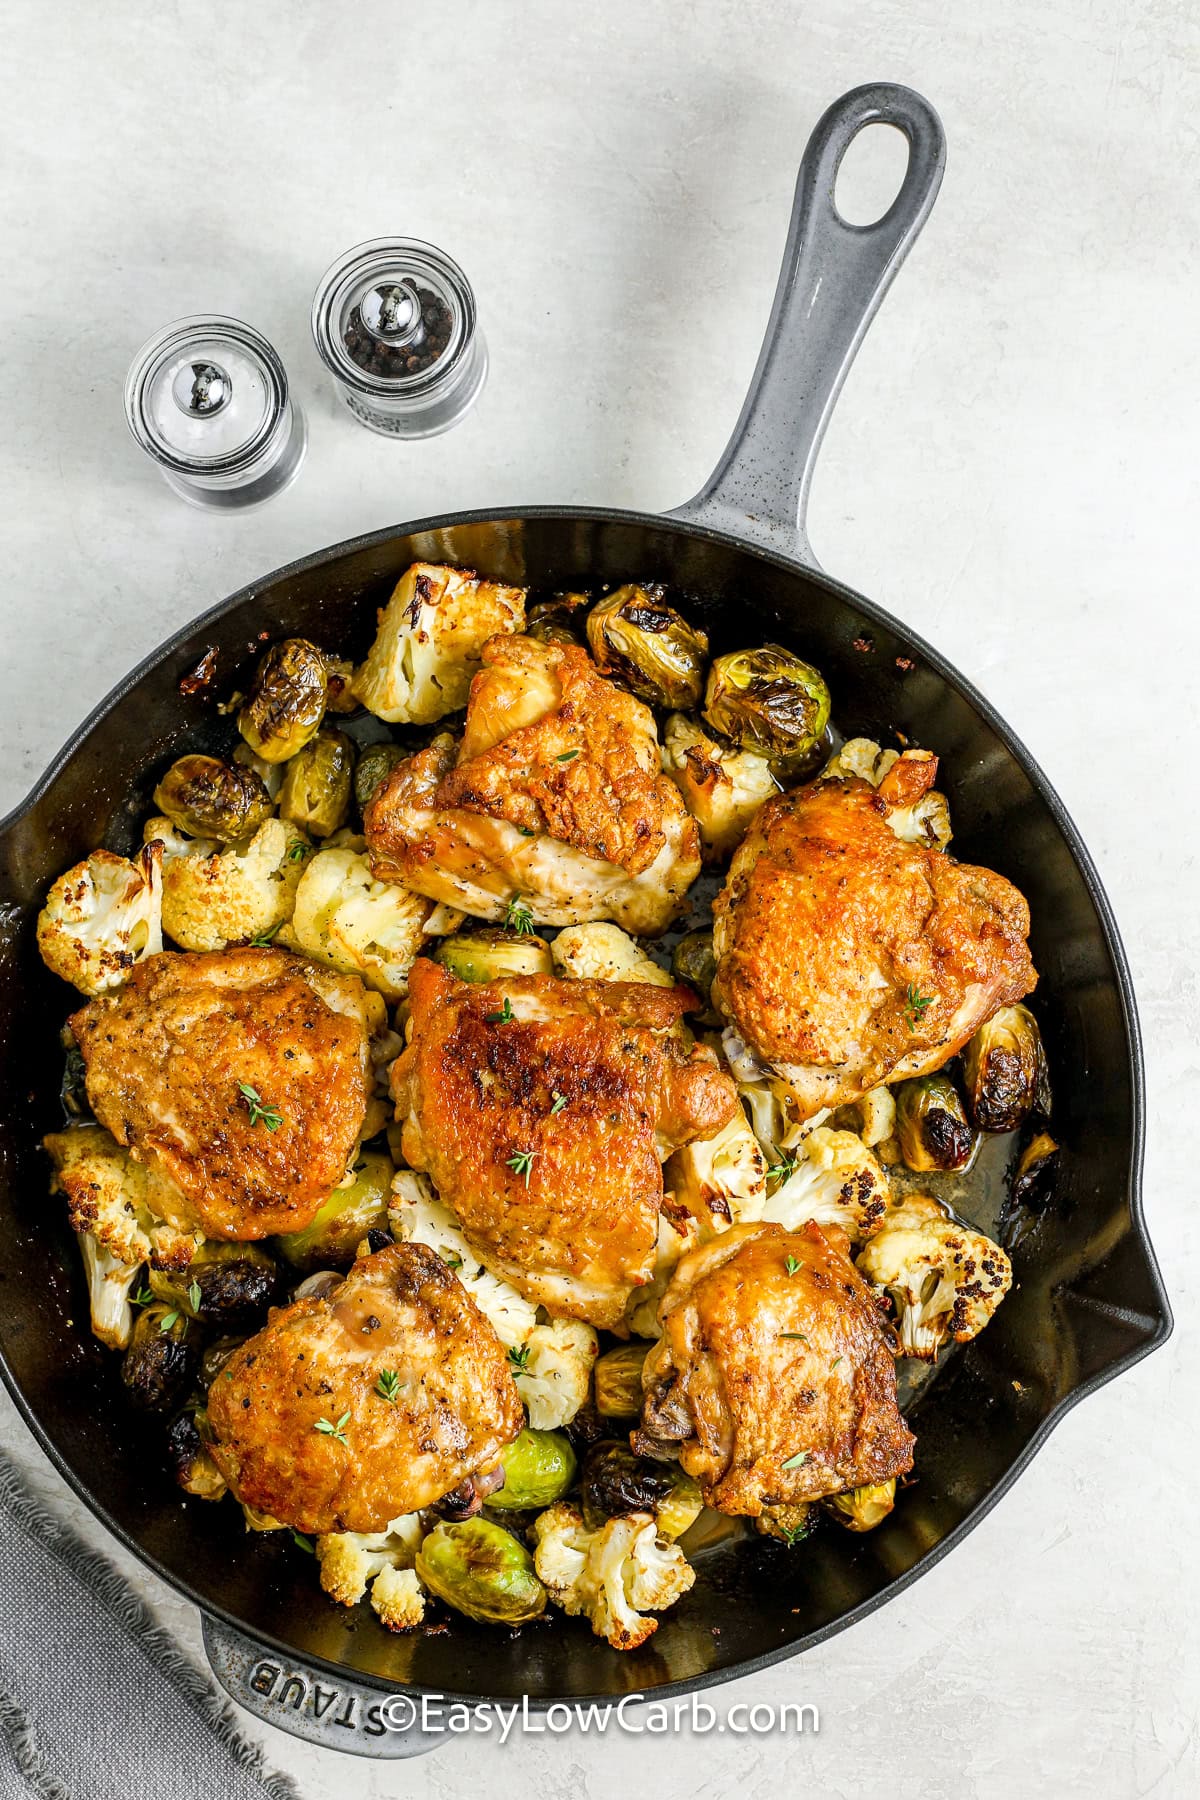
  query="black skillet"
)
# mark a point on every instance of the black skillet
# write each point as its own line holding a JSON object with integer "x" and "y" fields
{"x": 1087, "y": 1302}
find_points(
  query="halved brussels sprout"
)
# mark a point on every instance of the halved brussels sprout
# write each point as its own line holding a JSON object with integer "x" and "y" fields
{"x": 490, "y": 953}
{"x": 1033, "y": 1177}
{"x": 316, "y": 788}
{"x": 1005, "y": 1069}
{"x": 209, "y": 798}
{"x": 342, "y": 1221}
{"x": 768, "y": 700}
{"x": 615, "y": 1481}
{"x": 161, "y": 1358}
{"x": 694, "y": 962}
{"x": 618, "y": 1380}
{"x": 932, "y": 1127}
{"x": 636, "y": 636}
{"x": 286, "y": 702}
{"x": 374, "y": 766}
{"x": 480, "y": 1569}
{"x": 539, "y": 1467}
{"x": 189, "y": 1460}
{"x": 863, "y": 1508}
{"x": 225, "y": 1284}
{"x": 558, "y": 621}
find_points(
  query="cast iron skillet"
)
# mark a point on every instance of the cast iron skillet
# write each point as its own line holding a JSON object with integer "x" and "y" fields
{"x": 1087, "y": 1302}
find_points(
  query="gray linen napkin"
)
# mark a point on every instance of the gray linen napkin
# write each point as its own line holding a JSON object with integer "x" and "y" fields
{"x": 96, "y": 1699}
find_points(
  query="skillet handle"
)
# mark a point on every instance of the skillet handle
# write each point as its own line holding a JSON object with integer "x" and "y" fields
{"x": 833, "y": 278}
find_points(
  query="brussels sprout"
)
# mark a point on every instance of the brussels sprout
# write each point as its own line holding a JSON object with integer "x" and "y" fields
{"x": 339, "y": 673}
{"x": 466, "y": 1500}
{"x": 161, "y": 1359}
{"x": 316, "y": 788}
{"x": 694, "y": 962}
{"x": 490, "y": 953}
{"x": 863, "y": 1508}
{"x": 932, "y": 1127}
{"x": 615, "y": 1481}
{"x": 209, "y": 798}
{"x": 73, "y": 1088}
{"x": 227, "y": 1285}
{"x": 1005, "y": 1069}
{"x": 190, "y": 1462}
{"x": 618, "y": 1380}
{"x": 286, "y": 702}
{"x": 481, "y": 1570}
{"x": 557, "y": 621}
{"x": 342, "y": 1221}
{"x": 539, "y": 1467}
{"x": 1033, "y": 1177}
{"x": 213, "y": 1358}
{"x": 636, "y": 636}
{"x": 768, "y": 700}
{"x": 374, "y": 766}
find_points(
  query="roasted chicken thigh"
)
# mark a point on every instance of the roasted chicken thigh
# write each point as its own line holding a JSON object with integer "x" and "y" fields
{"x": 542, "y": 1110}
{"x": 347, "y": 1411}
{"x": 848, "y": 955}
{"x": 241, "y": 1076}
{"x": 773, "y": 1378}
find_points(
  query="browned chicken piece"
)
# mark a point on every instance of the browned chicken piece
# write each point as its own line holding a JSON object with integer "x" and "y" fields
{"x": 542, "y": 1110}
{"x": 847, "y": 956}
{"x": 241, "y": 1076}
{"x": 556, "y": 797}
{"x": 774, "y": 1376}
{"x": 347, "y": 1411}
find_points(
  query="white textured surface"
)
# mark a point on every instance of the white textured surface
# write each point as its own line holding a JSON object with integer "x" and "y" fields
{"x": 1013, "y": 470}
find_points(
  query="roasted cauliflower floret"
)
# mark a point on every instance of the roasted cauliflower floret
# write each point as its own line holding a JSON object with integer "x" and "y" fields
{"x": 675, "y": 1237}
{"x": 553, "y": 1370}
{"x": 418, "y": 1216}
{"x": 103, "y": 916}
{"x": 832, "y": 1178}
{"x": 215, "y": 895}
{"x": 429, "y": 641}
{"x": 603, "y": 952}
{"x": 118, "y": 1202}
{"x": 350, "y": 1560}
{"x": 916, "y": 812}
{"x": 873, "y": 1115}
{"x": 611, "y": 1576}
{"x": 722, "y": 787}
{"x": 398, "y": 1599}
{"x": 110, "y": 1285}
{"x": 944, "y": 1279}
{"x": 721, "y": 1180}
{"x": 351, "y": 922}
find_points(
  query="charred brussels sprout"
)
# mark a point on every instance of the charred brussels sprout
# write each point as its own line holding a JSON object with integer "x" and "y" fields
{"x": 768, "y": 700}
{"x": 189, "y": 1460}
{"x": 316, "y": 788}
{"x": 694, "y": 963}
{"x": 286, "y": 702}
{"x": 374, "y": 766}
{"x": 1005, "y": 1069}
{"x": 227, "y": 1285}
{"x": 932, "y": 1125}
{"x": 73, "y": 1089}
{"x": 637, "y": 637}
{"x": 342, "y": 1221}
{"x": 618, "y": 1380}
{"x": 490, "y": 953}
{"x": 539, "y": 1467}
{"x": 557, "y": 621}
{"x": 161, "y": 1359}
{"x": 480, "y": 1569}
{"x": 863, "y": 1508}
{"x": 615, "y": 1481}
{"x": 1033, "y": 1177}
{"x": 209, "y": 798}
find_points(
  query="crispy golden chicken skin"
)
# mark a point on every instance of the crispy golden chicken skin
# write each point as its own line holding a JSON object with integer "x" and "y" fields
{"x": 542, "y": 1110}
{"x": 240, "y": 1075}
{"x": 847, "y": 956}
{"x": 774, "y": 1374}
{"x": 556, "y": 796}
{"x": 300, "y": 1428}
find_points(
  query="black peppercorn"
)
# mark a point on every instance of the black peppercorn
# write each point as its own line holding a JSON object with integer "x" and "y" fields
{"x": 377, "y": 357}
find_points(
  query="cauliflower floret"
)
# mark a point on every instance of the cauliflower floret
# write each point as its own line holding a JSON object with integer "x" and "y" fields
{"x": 675, "y": 1236}
{"x": 347, "y": 920}
{"x": 427, "y": 647}
{"x": 398, "y": 1599}
{"x": 118, "y": 1202}
{"x": 101, "y": 917}
{"x": 873, "y": 1115}
{"x": 721, "y": 1180}
{"x": 603, "y": 952}
{"x": 418, "y": 1216}
{"x": 916, "y": 811}
{"x": 110, "y": 1284}
{"x": 555, "y": 1371}
{"x": 216, "y": 895}
{"x": 944, "y": 1279}
{"x": 610, "y": 1576}
{"x": 834, "y": 1180}
{"x": 350, "y": 1560}
{"x": 722, "y": 787}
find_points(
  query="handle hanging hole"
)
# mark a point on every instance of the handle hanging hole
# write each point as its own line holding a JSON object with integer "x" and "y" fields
{"x": 871, "y": 174}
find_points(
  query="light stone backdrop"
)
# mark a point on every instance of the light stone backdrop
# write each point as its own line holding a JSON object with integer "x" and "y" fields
{"x": 1012, "y": 470}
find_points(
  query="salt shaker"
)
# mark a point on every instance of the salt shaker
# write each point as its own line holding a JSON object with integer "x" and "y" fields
{"x": 207, "y": 398}
{"x": 394, "y": 323}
